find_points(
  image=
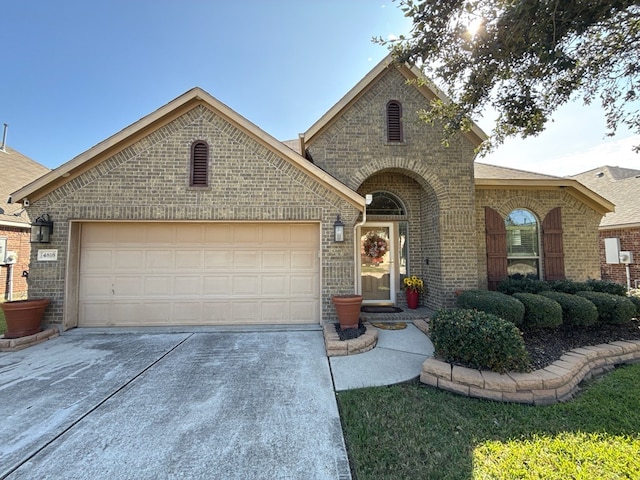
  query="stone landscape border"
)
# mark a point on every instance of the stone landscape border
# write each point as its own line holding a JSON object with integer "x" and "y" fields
{"x": 552, "y": 384}
{"x": 15, "y": 344}
{"x": 339, "y": 348}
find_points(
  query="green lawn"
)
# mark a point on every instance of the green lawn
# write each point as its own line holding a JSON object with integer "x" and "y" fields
{"x": 413, "y": 431}
{"x": 3, "y": 323}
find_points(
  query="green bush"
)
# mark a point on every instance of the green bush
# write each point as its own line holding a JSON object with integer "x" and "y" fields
{"x": 522, "y": 285}
{"x": 569, "y": 286}
{"x": 539, "y": 311}
{"x": 575, "y": 310}
{"x": 496, "y": 303}
{"x": 479, "y": 340}
{"x": 611, "y": 308}
{"x": 636, "y": 301}
{"x": 605, "y": 286}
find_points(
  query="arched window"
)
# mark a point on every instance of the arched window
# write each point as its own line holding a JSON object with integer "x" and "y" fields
{"x": 523, "y": 244}
{"x": 199, "y": 176}
{"x": 385, "y": 203}
{"x": 394, "y": 121}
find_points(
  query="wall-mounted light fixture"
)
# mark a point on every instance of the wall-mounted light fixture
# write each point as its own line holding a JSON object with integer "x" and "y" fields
{"x": 338, "y": 230}
{"x": 42, "y": 229}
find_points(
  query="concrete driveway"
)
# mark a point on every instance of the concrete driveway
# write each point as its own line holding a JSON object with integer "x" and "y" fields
{"x": 161, "y": 405}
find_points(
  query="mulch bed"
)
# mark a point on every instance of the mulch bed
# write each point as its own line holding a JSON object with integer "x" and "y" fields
{"x": 350, "y": 333}
{"x": 547, "y": 346}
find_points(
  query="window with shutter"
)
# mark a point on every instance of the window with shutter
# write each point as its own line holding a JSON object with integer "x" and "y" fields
{"x": 199, "y": 164}
{"x": 553, "y": 247}
{"x": 496, "y": 239}
{"x": 394, "y": 121}
{"x": 523, "y": 244}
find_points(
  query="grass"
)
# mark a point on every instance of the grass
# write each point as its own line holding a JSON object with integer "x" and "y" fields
{"x": 413, "y": 431}
{"x": 3, "y": 322}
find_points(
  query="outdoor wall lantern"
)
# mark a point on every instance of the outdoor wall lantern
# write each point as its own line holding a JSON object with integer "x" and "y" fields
{"x": 338, "y": 230}
{"x": 41, "y": 229}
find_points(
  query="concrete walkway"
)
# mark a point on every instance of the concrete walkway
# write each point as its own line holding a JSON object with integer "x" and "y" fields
{"x": 171, "y": 405}
{"x": 397, "y": 357}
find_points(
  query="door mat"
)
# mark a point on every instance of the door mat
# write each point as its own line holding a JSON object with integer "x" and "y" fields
{"x": 379, "y": 309}
{"x": 390, "y": 326}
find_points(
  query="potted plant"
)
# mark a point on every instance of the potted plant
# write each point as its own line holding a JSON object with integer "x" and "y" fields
{"x": 414, "y": 286}
{"x": 24, "y": 317}
{"x": 348, "y": 310}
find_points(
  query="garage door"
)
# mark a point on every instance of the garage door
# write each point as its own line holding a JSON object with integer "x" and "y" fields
{"x": 198, "y": 274}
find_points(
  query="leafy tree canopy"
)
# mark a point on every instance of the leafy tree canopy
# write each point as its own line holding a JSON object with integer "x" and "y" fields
{"x": 524, "y": 59}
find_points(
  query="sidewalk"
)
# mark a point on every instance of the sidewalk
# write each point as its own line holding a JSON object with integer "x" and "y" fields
{"x": 397, "y": 358}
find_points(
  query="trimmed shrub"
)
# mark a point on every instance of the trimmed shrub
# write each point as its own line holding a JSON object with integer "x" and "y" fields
{"x": 522, "y": 285}
{"x": 575, "y": 310}
{"x": 636, "y": 301}
{"x": 539, "y": 311}
{"x": 605, "y": 286}
{"x": 611, "y": 308}
{"x": 478, "y": 340}
{"x": 496, "y": 303}
{"x": 569, "y": 286}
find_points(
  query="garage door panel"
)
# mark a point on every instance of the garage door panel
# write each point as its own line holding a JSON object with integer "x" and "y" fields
{"x": 247, "y": 260}
{"x": 128, "y": 285}
{"x": 129, "y": 259}
{"x": 156, "y": 259}
{"x": 198, "y": 274}
{"x": 96, "y": 286}
{"x": 303, "y": 311}
{"x": 275, "y": 285}
{"x": 218, "y": 259}
{"x": 187, "y": 285}
{"x": 275, "y": 260}
{"x": 96, "y": 260}
{"x": 304, "y": 260}
{"x": 303, "y": 285}
{"x": 217, "y": 285}
{"x": 157, "y": 285}
{"x": 245, "y": 285}
{"x": 188, "y": 259}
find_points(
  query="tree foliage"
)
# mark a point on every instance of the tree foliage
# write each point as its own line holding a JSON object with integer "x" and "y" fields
{"x": 525, "y": 59}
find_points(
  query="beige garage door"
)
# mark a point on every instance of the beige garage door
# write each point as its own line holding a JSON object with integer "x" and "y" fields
{"x": 198, "y": 274}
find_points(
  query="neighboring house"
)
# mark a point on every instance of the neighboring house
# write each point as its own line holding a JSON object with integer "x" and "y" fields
{"x": 16, "y": 170}
{"x": 194, "y": 215}
{"x": 622, "y": 187}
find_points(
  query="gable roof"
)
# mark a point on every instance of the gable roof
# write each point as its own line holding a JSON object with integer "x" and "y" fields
{"x": 491, "y": 176}
{"x": 476, "y": 136}
{"x": 619, "y": 185}
{"x": 16, "y": 170}
{"x": 165, "y": 114}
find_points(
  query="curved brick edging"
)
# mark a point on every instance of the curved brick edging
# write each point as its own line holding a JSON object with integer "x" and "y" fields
{"x": 15, "y": 344}
{"x": 552, "y": 384}
{"x": 337, "y": 348}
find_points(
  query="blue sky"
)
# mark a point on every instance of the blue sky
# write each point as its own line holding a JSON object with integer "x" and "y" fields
{"x": 76, "y": 72}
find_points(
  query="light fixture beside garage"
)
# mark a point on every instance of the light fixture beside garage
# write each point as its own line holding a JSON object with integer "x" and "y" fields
{"x": 338, "y": 230}
{"x": 42, "y": 229}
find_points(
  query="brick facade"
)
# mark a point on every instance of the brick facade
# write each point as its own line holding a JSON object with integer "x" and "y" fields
{"x": 18, "y": 242}
{"x": 149, "y": 181}
{"x": 579, "y": 225}
{"x": 434, "y": 182}
{"x": 629, "y": 241}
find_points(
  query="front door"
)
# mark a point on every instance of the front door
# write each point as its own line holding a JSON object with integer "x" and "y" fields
{"x": 377, "y": 263}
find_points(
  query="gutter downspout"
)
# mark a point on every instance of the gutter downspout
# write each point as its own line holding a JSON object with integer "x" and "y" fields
{"x": 368, "y": 199}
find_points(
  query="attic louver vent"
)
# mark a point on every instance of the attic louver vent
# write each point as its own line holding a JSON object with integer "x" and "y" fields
{"x": 394, "y": 124}
{"x": 200, "y": 165}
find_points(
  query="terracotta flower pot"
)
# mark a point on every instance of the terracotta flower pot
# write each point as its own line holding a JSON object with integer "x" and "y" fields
{"x": 348, "y": 310}
{"x": 412, "y": 298}
{"x": 24, "y": 317}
